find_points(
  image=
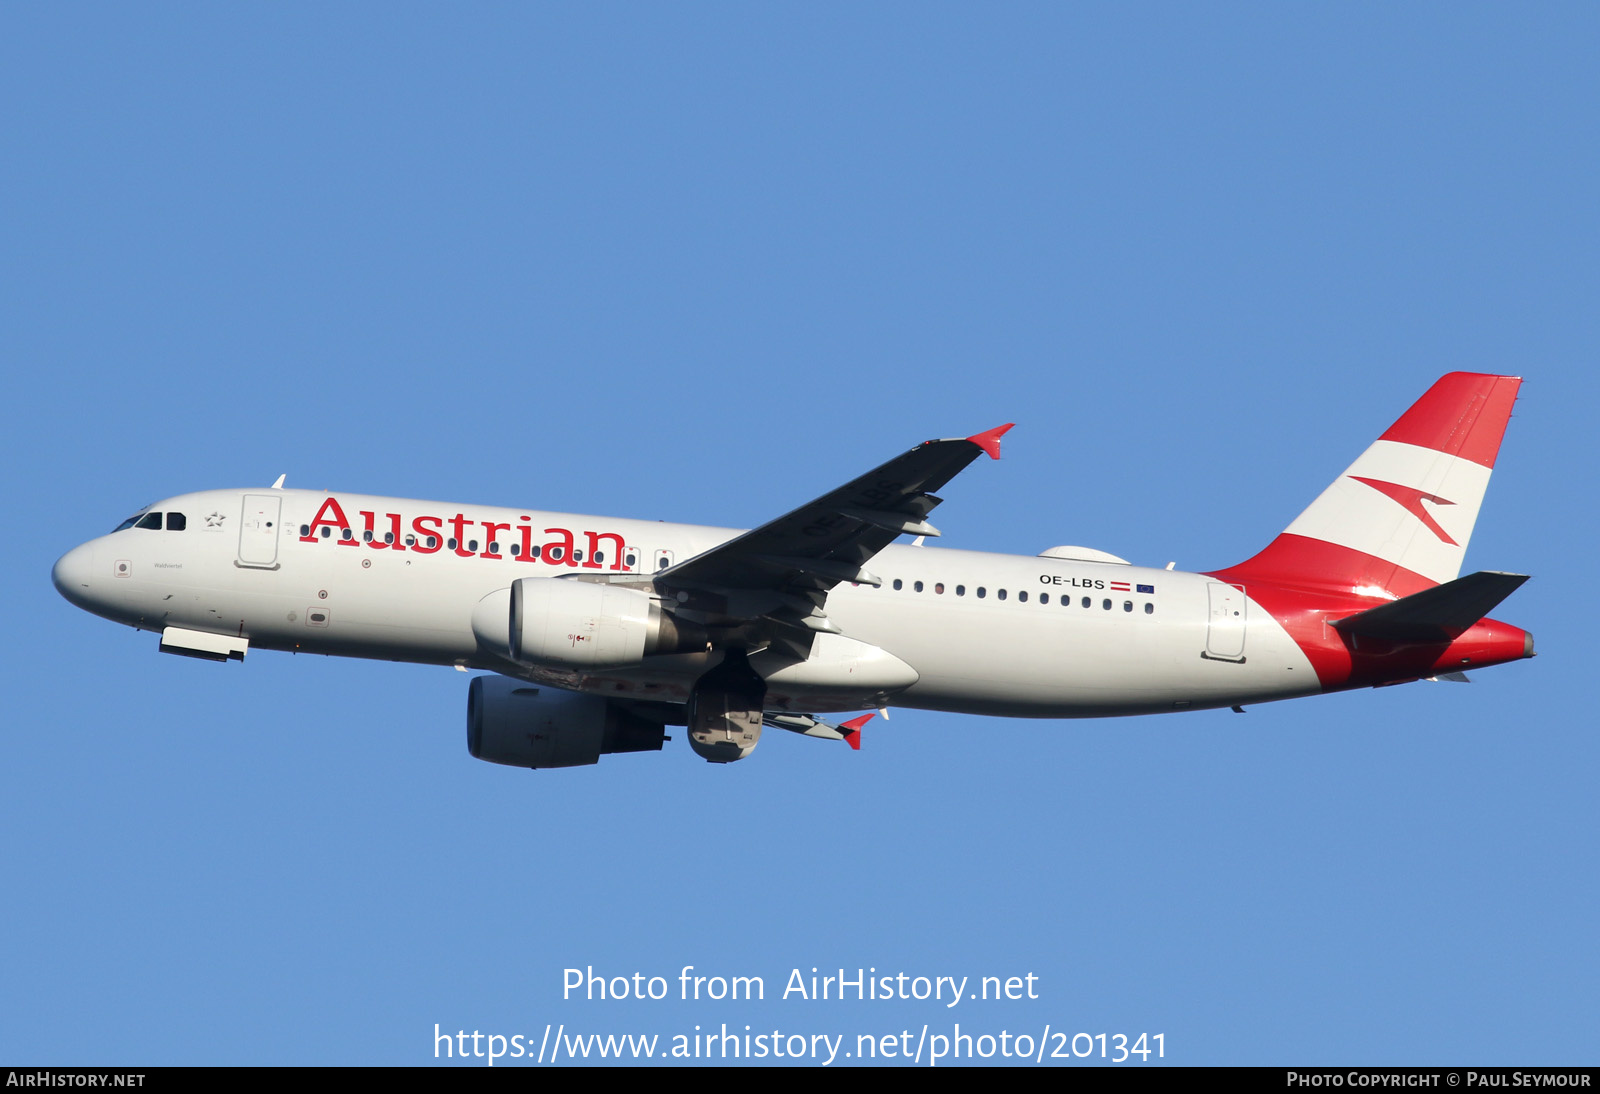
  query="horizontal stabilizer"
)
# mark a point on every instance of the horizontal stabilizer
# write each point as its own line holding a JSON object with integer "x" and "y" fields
{"x": 1437, "y": 614}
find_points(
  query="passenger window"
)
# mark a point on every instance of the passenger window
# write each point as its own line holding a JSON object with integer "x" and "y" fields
{"x": 577, "y": 556}
{"x": 348, "y": 534}
{"x": 176, "y": 522}
{"x": 533, "y": 552}
{"x": 388, "y": 537}
{"x": 1127, "y": 605}
{"x": 897, "y": 584}
{"x": 433, "y": 541}
{"x": 151, "y": 520}
{"x": 411, "y": 540}
{"x": 451, "y": 543}
{"x": 1022, "y": 597}
{"x": 326, "y": 531}
{"x": 982, "y": 592}
{"x": 1086, "y": 602}
{"x": 1106, "y": 604}
{"x": 494, "y": 548}
{"x": 366, "y": 536}
{"x": 305, "y": 530}
{"x": 599, "y": 556}
{"x": 939, "y": 588}
{"x": 516, "y": 550}
{"x": 631, "y": 560}
{"x": 961, "y": 590}
{"x": 1001, "y": 594}
{"x": 472, "y": 545}
{"x": 1149, "y": 608}
{"x": 916, "y": 586}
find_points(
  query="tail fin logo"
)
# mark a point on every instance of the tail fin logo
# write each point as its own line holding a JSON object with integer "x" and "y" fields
{"x": 1432, "y": 466}
{"x": 1411, "y": 499}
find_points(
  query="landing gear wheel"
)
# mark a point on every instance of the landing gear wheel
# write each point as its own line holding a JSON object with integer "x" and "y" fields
{"x": 725, "y": 710}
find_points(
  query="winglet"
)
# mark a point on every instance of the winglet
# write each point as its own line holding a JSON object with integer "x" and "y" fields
{"x": 989, "y": 439}
{"x": 852, "y": 730}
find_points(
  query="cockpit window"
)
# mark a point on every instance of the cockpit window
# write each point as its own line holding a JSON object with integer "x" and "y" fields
{"x": 136, "y": 518}
{"x": 176, "y": 522}
{"x": 150, "y": 520}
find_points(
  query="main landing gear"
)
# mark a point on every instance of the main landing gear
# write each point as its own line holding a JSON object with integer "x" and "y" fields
{"x": 725, "y": 710}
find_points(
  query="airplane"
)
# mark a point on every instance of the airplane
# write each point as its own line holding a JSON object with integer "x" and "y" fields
{"x": 596, "y": 634}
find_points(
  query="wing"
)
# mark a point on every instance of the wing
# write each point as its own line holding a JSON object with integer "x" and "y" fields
{"x": 783, "y": 570}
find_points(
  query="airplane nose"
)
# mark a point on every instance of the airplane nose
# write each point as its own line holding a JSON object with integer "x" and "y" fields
{"x": 72, "y": 572}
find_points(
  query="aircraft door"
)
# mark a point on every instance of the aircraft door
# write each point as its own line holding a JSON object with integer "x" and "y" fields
{"x": 663, "y": 559}
{"x": 1225, "y": 629}
{"x": 258, "y": 531}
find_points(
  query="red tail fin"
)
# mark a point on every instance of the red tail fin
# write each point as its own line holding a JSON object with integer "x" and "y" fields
{"x": 1399, "y": 519}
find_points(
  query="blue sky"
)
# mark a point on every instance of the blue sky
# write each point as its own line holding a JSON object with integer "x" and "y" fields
{"x": 703, "y": 263}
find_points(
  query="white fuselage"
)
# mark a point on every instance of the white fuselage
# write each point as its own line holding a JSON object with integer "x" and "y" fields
{"x": 984, "y": 633}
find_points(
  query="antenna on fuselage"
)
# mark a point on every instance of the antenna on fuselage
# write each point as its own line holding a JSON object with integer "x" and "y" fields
{"x": 279, "y": 484}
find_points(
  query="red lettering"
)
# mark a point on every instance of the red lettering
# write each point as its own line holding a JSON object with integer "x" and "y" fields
{"x": 489, "y": 530}
{"x": 559, "y": 552}
{"x": 436, "y": 533}
{"x": 321, "y": 518}
{"x": 617, "y": 562}
{"x": 459, "y": 522}
{"x": 372, "y": 540}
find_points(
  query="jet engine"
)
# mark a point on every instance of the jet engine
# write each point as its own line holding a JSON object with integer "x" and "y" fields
{"x": 521, "y": 725}
{"x": 579, "y": 624}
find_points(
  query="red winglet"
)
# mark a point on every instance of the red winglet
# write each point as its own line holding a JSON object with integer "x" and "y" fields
{"x": 989, "y": 439}
{"x": 852, "y": 730}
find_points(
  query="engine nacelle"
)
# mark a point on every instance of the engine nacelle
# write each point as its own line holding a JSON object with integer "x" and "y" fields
{"x": 578, "y": 624}
{"x": 521, "y": 725}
